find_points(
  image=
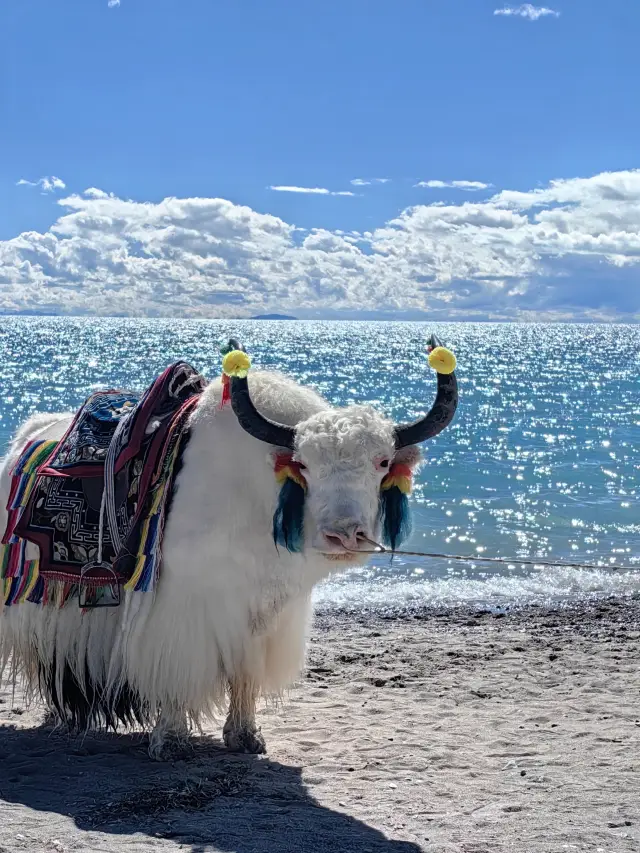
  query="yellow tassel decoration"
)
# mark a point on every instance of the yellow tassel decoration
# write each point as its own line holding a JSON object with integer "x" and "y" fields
{"x": 236, "y": 364}
{"x": 442, "y": 360}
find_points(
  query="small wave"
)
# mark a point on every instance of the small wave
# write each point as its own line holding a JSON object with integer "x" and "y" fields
{"x": 545, "y": 586}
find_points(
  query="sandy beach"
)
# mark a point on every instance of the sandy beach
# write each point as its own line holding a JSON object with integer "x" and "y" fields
{"x": 439, "y": 731}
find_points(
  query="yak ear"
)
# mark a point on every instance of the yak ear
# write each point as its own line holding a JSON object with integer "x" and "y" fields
{"x": 411, "y": 455}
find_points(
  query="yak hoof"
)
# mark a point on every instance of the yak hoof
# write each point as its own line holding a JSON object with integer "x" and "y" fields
{"x": 169, "y": 748}
{"x": 248, "y": 741}
{"x": 169, "y": 736}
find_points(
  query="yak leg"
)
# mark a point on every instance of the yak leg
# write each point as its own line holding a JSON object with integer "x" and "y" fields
{"x": 241, "y": 734}
{"x": 171, "y": 726}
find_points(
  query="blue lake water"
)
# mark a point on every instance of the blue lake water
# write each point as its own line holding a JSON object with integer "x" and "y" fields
{"x": 543, "y": 459}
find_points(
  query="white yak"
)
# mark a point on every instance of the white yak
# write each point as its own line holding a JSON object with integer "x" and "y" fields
{"x": 230, "y": 615}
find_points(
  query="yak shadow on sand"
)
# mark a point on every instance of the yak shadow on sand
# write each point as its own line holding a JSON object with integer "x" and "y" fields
{"x": 205, "y": 799}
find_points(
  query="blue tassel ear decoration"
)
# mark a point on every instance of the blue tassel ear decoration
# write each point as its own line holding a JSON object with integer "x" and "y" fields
{"x": 288, "y": 519}
{"x": 395, "y": 516}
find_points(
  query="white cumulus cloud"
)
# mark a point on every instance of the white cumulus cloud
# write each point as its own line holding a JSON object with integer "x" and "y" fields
{"x": 93, "y": 192}
{"x": 47, "y": 184}
{"x": 527, "y": 11}
{"x": 567, "y": 250}
{"x": 113, "y": 3}
{"x": 458, "y": 185}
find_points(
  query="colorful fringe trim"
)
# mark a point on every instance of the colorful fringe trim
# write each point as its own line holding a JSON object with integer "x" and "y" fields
{"x": 24, "y": 475}
{"x": 17, "y": 587}
{"x": 20, "y": 577}
{"x": 147, "y": 569}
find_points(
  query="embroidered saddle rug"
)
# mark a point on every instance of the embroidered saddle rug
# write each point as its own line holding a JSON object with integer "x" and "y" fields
{"x": 56, "y": 500}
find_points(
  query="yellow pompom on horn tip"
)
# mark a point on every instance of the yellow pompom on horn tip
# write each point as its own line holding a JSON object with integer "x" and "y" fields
{"x": 442, "y": 360}
{"x": 236, "y": 364}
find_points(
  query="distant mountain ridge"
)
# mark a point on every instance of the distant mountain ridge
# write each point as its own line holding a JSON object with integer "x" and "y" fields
{"x": 274, "y": 317}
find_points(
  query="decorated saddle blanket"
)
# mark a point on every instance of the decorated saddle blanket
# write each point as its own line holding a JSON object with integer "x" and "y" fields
{"x": 97, "y": 533}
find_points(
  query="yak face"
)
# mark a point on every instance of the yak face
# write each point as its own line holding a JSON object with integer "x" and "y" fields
{"x": 344, "y": 455}
{"x": 333, "y": 495}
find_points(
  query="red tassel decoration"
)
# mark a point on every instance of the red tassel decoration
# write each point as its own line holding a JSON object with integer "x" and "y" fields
{"x": 286, "y": 469}
{"x": 226, "y": 390}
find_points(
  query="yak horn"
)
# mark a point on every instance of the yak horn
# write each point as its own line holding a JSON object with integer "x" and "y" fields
{"x": 440, "y": 415}
{"x": 279, "y": 435}
{"x": 248, "y": 416}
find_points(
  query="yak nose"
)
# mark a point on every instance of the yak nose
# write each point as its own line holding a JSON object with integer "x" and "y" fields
{"x": 346, "y": 536}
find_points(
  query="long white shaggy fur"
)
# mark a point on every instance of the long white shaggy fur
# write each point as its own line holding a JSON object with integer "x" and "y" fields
{"x": 231, "y": 611}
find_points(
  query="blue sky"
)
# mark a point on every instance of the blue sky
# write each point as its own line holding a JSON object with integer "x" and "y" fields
{"x": 200, "y": 100}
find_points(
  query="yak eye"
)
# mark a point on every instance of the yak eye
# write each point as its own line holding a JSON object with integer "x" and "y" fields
{"x": 302, "y": 466}
{"x": 384, "y": 463}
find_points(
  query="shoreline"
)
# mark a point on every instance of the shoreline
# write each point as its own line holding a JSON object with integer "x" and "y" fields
{"x": 435, "y": 731}
{"x": 570, "y": 610}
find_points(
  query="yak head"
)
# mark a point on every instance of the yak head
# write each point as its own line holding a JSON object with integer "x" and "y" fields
{"x": 345, "y": 473}
{"x": 345, "y": 456}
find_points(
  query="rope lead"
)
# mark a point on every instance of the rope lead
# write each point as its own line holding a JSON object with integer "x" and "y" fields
{"x": 380, "y": 549}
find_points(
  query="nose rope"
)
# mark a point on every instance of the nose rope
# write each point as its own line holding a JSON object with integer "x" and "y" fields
{"x": 519, "y": 561}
